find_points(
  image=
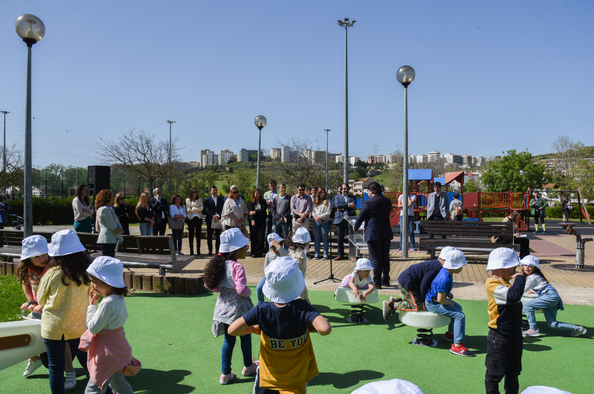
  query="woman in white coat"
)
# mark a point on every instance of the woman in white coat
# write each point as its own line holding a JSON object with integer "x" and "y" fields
{"x": 110, "y": 229}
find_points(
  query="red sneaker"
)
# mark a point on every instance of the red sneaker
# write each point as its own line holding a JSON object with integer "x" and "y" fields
{"x": 448, "y": 337}
{"x": 461, "y": 350}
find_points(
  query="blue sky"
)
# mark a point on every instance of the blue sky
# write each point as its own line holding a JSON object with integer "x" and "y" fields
{"x": 490, "y": 76}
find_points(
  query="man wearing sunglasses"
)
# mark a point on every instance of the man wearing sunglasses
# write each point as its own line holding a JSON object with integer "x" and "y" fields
{"x": 301, "y": 205}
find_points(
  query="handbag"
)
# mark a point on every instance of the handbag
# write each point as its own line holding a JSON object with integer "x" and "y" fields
{"x": 176, "y": 225}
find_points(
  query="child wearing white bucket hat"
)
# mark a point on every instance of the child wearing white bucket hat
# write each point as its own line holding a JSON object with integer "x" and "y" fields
{"x": 439, "y": 300}
{"x": 105, "y": 341}
{"x": 504, "y": 346}
{"x": 63, "y": 295}
{"x": 224, "y": 275}
{"x": 360, "y": 279}
{"x": 284, "y": 326}
{"x": 548, "y": 300}
{"x": 298, "y": 247}
{"x": 275, "y": 251}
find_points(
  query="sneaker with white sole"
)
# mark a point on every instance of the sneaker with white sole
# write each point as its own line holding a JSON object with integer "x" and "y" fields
{"x": 70, "y": 383}
{"x": 531, "y": 333}
{"x": 461, "y": 350}
{"x": 32, "y": 366}
{"x": 580, "y": 331}
{"x": 448, "y": 337}
{"x": 224, "y": 379}
{"x": 247, "y": 371}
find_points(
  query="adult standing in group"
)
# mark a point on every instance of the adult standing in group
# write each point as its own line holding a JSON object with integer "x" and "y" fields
{"x": 269, "y": 197}
{"x": 343, "y": 205}
{"x": 456, "y": 208}
{"x": 122, "y": 209}
{"x": 518, "y": 239}
{"x": 321, "y": 211}
{"x": 110, "y": 229}
{"x": 234, "y": 211}
{"x": 194, "y": 208}
{"x": 566, "y": 207}
{"x": 213, "y": 205}
{"x": 161, "y": 211}
{"x": 301, "y": 205}
{"x": 257, "y": 222}
{"x": 145, "y": 214}
{"x": 313, "y": 193}
{"x": 410, "y": 204}
{"x": 177, "y": 217}
{"x": 83, "y": 210}
{"x": 375, "y": 213}
{"x": 537, "y": 209}
{"x": 281, "y": 212}
{"x": 437, "y": 205}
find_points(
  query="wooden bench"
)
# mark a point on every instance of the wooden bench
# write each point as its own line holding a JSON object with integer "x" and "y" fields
{"x": 12, "y": 241}
{"x": 473, "y": 237}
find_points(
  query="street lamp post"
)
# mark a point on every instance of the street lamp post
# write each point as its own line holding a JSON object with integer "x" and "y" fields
{"x": 327, "y": 132}
{"x": 169, "y": 159}
{"x": 260, "y": 122}
{"x": 405, "y": 75}
{"x": 31, "y": 29}
{"x": 346, "y": 24}
{"x": 4, "y": 147}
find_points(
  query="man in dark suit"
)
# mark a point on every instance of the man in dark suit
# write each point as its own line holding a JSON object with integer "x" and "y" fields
{"x": 343, "y": 205}
{"x": 375, "y": 213}
{"x": 161, "y": 210}
{"x": 213, "y": 205}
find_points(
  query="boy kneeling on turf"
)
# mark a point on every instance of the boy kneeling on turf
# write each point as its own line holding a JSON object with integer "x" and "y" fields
{"x": 283, "y": 325}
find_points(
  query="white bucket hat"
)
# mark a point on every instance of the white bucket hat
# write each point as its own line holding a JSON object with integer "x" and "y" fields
{"x": 274, "y": 237}
{"x": 502, "y": 258}
{"x": 363, "y": 265}
{"x": 65, "y": 242}
{"x": 394, "y": 386}
{"x": 530, "y": 261}
{"x": 231, "y": 240}
{"x": 443, "y": 255}
{"x": 455, "y": 260}
{"x": 108, "y": 270}
{"x": 33, "y": 246}
{"x": 301, "y": 236}
{"x": 543, "y": 390}
{"x": 284, "y": 281}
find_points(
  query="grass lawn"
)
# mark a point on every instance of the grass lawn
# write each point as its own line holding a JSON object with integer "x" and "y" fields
{"x": 171, "y": 336}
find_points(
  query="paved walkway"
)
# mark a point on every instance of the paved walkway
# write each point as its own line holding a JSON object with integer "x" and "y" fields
{"x": 555, "y": 250}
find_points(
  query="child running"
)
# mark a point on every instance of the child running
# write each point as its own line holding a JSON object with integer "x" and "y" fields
{"x": 439, "y": 300}
{"x": 287, "y": 359}
{"x": 298, "y": 246}
{"x": 63, "y": 295}
{"x": 360, "y": 279}
{"x": 109, "y": 353}
{"x": 548, "y": 300}
{"x": 224, "y": 275}
{"x": 504, "y": 341}
{"x": 275, "y": 251}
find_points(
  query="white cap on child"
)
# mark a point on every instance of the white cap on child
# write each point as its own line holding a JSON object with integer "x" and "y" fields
{"x": 445, "y": 251}
{"x": 301, "y": 236}
{"x": 274, "y": 237}
{"x": 284, "y": 281}
{"x": 543, "y": 390}
{"x": 502, "y": 258}
{"x": 394, "y": 386}
{"x": 108, "y": 270}
{"x": 530, "y": 261}
{"x": 231, "y": 240}
{"x": 455, "y": 260}
{"x": 33, "y": 246}
{"x": 65, "y": 242}
{"x": 363, "y": 265}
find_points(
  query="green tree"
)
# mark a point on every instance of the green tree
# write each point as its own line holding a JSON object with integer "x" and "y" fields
{"x": 471, "y": 186}
{"x": 514, "y": 171}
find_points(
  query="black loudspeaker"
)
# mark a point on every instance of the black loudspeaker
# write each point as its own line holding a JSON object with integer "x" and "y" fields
{"x": 98, "y": 179}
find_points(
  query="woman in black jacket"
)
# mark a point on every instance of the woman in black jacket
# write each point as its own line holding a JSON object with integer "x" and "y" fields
{"x": 257, "y": 222}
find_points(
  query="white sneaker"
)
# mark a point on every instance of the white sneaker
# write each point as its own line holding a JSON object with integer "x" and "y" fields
{"x": 70, "y": 383}
{"x": 531, "y": 333}
{"x": 32, "y": 366}
{"x": 580, "y": 331}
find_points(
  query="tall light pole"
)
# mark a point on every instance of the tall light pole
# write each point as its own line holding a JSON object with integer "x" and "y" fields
{"x": 346, "y": 24}
{"x": 4, "y": 155}
{"x": 169, "y": 159}
{"x": 327, "y": 132}
{"x": 405, "y": 75}
{"x": 260, "y": 122}
{"x": 31, "y": 29}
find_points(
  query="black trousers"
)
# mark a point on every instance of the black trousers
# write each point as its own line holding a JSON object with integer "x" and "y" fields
{"x": 108, "y": 250}
{"x": 437, "y": 217}
{"x": 159, "y": 228}
{"x": 539, "y": 215}
{"x": 257, "y": 236}
{"x": 195, "y": 229}
{"x": 341, "y": 230}
{"x": 379, "y": 255}
{"x": 209, "y": 234}
{"x": 524, "y": 246}
{"x": 504, "y": 359}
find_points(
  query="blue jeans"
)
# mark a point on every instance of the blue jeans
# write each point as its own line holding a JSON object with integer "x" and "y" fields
{"x": 323, "y": 231}
{"x": 458, "y": 318}
{"x": 411, "y": 231}
{"x": 56, "y": 360}
{"x": 144, "y": 229}
{"x": 549, "y": 303}
{"x": 282, "y": 229}
{"x": 227, "y": 351}
{"x": 259, "y": 292}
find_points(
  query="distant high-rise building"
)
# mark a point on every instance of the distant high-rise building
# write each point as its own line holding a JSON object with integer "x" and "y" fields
{"x": 224, "y": 156}
{"x": 479, "y": 161}
{"x": 207, "y": 158}
{"x": 244, "y": 154}
{"x": 274, "y": 153}
{"x": 434, "y": 156}
{"x": 421, "y": 159}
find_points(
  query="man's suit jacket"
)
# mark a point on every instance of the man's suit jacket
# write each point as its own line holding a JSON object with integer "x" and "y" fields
{"x": 340, "y": 207}
{"x": 375, "y": 213}
{"x": 443, "y": 204}
{"x": 210, "y": 209}
{"x": 160, "y": 206}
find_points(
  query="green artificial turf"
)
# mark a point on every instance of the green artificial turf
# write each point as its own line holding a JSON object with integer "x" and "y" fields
{"x": 11, "y": 298}
{"x": 171, "y": 336}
